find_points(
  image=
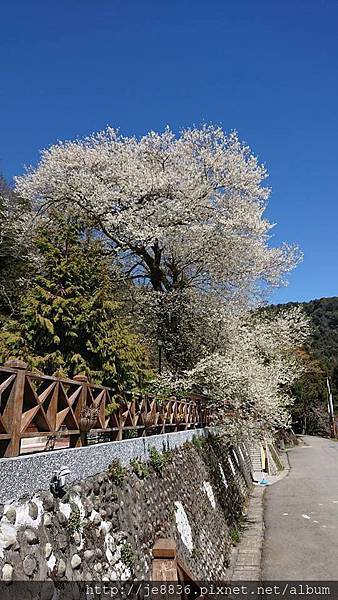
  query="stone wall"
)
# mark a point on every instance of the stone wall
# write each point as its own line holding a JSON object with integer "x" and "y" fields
{"x": 25, "y": 475}
{"x": 105, "y": 525}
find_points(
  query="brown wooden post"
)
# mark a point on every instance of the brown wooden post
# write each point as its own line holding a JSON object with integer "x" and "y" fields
{"x": 15, "y": 405}
{"x": 120, "y": 420}
{"x": 80, "y": 440}
{"x": 164, "y": 566}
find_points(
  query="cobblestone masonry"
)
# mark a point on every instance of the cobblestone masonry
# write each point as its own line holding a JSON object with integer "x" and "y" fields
{"x": 101, "y": 530}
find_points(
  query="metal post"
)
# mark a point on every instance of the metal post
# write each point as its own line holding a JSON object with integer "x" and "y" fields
{"x": 330, "y": 410}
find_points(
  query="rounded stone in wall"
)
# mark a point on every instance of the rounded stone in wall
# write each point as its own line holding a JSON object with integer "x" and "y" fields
{"x": 62, "y": 541}
{"x": 75, "y": 561}
{"x": 29, "y": 565}
{"x": 88, "y": 555}
{"x": 47, "y": 501}
{"x": 7, "y": 572}
{"x": 109, "y": 492}
{"x": 61, "y": 517}
{"x": 97, "y": 520}
{"x": 48, "y": 550}
{"x": 96, "y": 504}
{"x": 11, "y": 515}
{"x": 47, "y": 520}
{"x": 109, "y": 511}
{"x": 88, "y": 486}
{"x": 33, "y": 510}
{"x": 9, "y": 542}
{"x": 31, "y": 536}
{"x": 88, "y": 506}
{"x": 77, "y": 538}
{"x": 61, "y": 568}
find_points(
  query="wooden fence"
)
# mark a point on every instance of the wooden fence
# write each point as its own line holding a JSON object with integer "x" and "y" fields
{"x": 55, "y": 412}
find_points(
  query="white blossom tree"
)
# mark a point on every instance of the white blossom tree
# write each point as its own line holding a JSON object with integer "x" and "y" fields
{"x": 16, "y": 252}
{"x": 252, "y": 368}
{"x": 185, "y": 216}
{"x": 181, "y": 212}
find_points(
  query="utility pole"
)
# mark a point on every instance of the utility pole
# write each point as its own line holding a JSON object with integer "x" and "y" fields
{"x": 330, "y": 409}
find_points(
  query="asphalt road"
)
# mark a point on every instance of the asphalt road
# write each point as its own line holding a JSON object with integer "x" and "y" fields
{"x": 301, "y": 516}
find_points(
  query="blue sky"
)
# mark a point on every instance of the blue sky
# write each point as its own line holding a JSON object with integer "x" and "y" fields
{"x": 266, "y": 68}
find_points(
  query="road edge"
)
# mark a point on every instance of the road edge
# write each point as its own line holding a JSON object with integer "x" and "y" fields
{"x": 248, "y": 553}
{"x": 247, "y": 557}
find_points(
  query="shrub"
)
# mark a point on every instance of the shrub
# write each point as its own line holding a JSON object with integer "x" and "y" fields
{"x": 197, "y": 442}
{"x": 111, "y": 408}
{"x": 139, "y": 468}
{"x": 235, "y": 536}
{"x": 158, "y": 460}
{"x": 117, "y": 472}
{"x": 127, "y": 555}
{"x": 74, "y": 521}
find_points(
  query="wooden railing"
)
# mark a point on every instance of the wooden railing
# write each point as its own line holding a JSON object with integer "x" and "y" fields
{"x": 38, "y": 407}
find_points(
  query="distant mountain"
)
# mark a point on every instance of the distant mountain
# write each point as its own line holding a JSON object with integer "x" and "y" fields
{"x": 321, "y": 353}
{"x": 323, "y": 343}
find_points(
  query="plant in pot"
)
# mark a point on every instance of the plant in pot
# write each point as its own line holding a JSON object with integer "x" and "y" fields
{"x": 179, "y": 418}
{"x": 149, "y": 418}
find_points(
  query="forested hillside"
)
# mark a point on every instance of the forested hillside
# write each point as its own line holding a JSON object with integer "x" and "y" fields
{"x": 321, "y": 355}
{"x": 323, "y": 343}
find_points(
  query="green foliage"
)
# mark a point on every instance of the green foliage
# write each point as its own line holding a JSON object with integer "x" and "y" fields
{"x": 74, "y": 521}
{"x": 235, "y": 536}
{"x": 71, "y": 320}
{"x": 131, "y": 433}
{"x": 117, "y": 472}
{"x": 111, "y": 408}
{"x": 128, "y": 556}
{"x": 197, "y": 442}
{"x": 309, "y": 412}
{"x": 158, "y": 460}
{"x": 163, "y": 391}
{"x": 139, "y": 468}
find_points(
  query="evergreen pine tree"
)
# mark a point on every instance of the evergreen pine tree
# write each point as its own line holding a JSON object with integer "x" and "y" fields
{"x": 70, "y": 320}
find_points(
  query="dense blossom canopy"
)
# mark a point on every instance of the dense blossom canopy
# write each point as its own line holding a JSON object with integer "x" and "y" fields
{"x": 182, "y": 211}
{"x": 184, "y": 216}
